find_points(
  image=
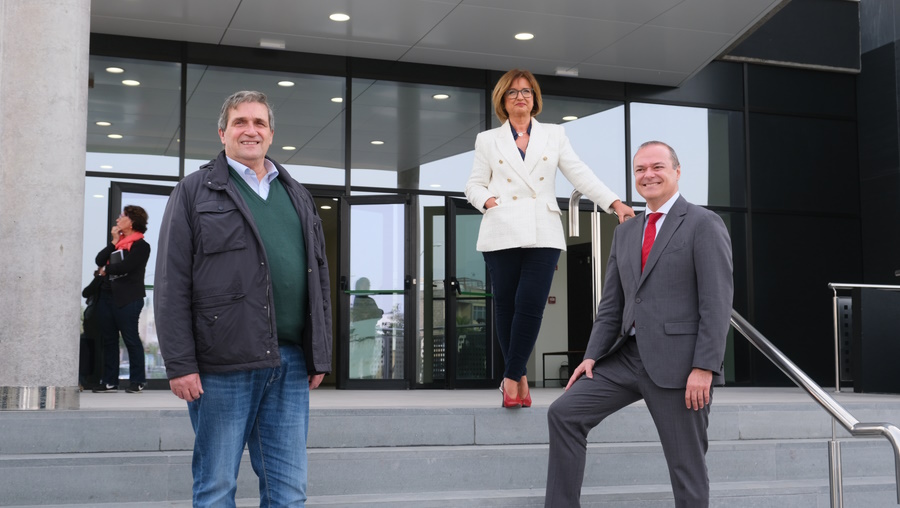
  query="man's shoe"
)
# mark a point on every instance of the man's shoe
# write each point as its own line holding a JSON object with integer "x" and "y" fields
{"x": 135, "y": 388}
{"x": 104, "y": 388}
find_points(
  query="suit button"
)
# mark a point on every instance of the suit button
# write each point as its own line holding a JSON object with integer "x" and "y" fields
{"x": 637, "y": 300}
{"x": 501, "y": 161}
{"x": 509, "y": 179}
{"x": 542, "y": 178}
{"x": 515, "y": 198}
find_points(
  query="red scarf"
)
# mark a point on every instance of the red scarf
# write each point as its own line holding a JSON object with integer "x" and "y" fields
{"x": 125, "y": 242}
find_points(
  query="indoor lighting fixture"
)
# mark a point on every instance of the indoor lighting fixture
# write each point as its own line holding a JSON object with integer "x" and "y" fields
{"x": 325, "y": 207}
{"x": 271, "y": 43}
{"x": 289, "y": 148}
{"x": 376, "y": 142}
{"x": 114, "y": 136}
{"x": 106, "y": 166}
{"x": 285, "y": 83}
{"x": 440, "y": 96}
{"x": 98, "y": 195}
{"x": 435, "y": 186}
{"x": 524, "y": 36}
{"x": 339, "y": 16}
{"x": 337, "y": 99}
{"x": 130, "y": 82}
{"x": 570, "y": 118}
{"x": 103, "y": 124}
{"x": 115, "y": 70}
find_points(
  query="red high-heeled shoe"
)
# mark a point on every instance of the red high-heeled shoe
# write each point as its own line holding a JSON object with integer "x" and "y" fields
{"x": 526, "y": 402}
{"x": 509, "y": 402}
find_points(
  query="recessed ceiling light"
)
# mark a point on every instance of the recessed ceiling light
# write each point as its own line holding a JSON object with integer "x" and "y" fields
{"x": 334, "y": 199}
{"x": 435, "y": 185}
{"x": 376, "y": 142}
{"x": 570, "y": 118}
{"x": 115, "y": 70}
{"x": 339, "y": 16}
{"x": 325, "y": 207}
{"x": 524, "y": 36}
{"x": 106, "y": 166}
{"x": 289, "y": 148}
{"x": 271, "y": 43}
{"x": 337, "y": 99}
{"x": 114, "y": 136}
{"x": 440, "y": 96}
{"x": 130, "y": 82}
{"x": 285, "y": 83}
{"x": 103, "y": 124}
{"x": 98, "y": 195}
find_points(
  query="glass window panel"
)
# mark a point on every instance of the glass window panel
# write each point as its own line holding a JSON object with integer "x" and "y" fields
{"x": 597, "y": 135}
{"x": 143, "y": 119}
{"x": 404, "y": 137}
{"x": 709, "y": 144}
{"x": 309, "y": 119}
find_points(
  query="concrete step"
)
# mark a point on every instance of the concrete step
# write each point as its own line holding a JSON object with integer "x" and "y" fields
{"x": 162, "y": 476}
{"x": 868, "y": 493}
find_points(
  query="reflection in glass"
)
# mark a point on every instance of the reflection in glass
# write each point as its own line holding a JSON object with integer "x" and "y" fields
{"x": 425, "y": 143}
{"x": 597, "y": 136}
{"x": 377, "y": 311}
{"x": 709, "y": 144}
{"x": 430, "y": 340}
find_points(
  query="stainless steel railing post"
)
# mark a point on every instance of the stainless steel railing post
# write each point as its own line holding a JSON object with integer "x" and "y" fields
{"x": 597, "y": 279}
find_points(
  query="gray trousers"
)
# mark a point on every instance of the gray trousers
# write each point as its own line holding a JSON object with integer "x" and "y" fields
{"x": 620, "y": 380}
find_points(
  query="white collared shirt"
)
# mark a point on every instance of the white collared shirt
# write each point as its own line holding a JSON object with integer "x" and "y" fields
{"x": 664, "y": 210}
{"x": 259, "y": 187}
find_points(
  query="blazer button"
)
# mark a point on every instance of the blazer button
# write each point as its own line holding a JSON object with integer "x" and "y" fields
{"x": 534, "y": 196}
{"x": 509, "y": 179}
{"x": 515, "y": 198}
{"x": 545, "y": 157}
{"x": 542, "y": 178}
{"x": 501, "y": 161}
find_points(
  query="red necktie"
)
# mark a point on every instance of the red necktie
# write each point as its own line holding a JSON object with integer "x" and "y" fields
{"x": 649, "y": 236}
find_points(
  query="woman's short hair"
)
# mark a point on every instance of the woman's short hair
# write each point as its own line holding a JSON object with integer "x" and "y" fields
{"x": 505, "y": 83}
{"x": 138, "y": 217}
{"x": 239, "y": 98}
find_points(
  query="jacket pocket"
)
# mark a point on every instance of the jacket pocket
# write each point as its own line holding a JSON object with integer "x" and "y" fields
{"x": 682, "y": 328}
{"x": 223, "y": 329}
{"x": 221, "y": 227}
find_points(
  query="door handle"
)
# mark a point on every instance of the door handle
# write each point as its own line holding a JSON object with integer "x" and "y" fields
{"x": 454, "y": 284}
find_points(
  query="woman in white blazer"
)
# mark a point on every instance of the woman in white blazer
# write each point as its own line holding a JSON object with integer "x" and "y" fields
{"x": 513, "y": 183}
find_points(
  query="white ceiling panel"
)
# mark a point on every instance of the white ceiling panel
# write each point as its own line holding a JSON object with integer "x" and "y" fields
{"x": 604, "y": 39}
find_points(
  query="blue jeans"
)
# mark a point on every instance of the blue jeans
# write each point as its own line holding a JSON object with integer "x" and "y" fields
{"x": 266, "y": 409}
{"x": 114, "y": 320}
{"x": 520, "y": 283}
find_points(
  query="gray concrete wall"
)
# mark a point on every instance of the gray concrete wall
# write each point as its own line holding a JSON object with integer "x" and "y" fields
{"x": 44, "y": 48}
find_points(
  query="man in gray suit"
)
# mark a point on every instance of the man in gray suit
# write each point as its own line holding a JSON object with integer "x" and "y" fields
{"x": 659, "y": 335}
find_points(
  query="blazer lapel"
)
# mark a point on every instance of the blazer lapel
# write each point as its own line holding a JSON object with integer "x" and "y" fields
{"x": 536, "y": 145}
{"x": 673, "y": 220}
{"x": 634, "y": 242}
{"x": 510, "y": 153}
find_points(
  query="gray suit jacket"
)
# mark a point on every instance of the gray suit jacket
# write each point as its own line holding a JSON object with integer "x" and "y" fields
{"x": 680, "y": 304}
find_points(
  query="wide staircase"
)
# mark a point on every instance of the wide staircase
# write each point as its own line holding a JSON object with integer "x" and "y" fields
{"x": 768, "y": 448}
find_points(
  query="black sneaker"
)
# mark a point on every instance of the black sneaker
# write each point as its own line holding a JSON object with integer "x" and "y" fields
{"x": 135, "y": 388}
{"x": 104, "y": 388}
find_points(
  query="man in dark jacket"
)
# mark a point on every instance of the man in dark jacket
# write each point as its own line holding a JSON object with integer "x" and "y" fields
{"x": 241, "y": 244}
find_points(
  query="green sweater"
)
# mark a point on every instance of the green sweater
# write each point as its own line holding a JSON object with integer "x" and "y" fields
{"x": 282, "y": 236}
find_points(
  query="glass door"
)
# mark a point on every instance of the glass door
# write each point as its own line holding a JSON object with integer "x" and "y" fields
{"x": 375, "y": 289}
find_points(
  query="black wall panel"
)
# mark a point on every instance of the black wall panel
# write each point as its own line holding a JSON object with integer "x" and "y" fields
{"x": 801, "y": 92}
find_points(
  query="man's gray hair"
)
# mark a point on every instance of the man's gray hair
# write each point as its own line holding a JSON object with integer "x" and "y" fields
{"x": 672, "y": 154}
{"x": 239, "y": 98}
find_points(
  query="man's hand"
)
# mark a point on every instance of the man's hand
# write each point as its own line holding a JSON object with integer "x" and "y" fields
{"x": 315, "y": 381}
{"x": 698, "y": 384}
{"x": 586, "y": 367}
{"x": 624, "y": 211}
{"x": 187, "y": 387}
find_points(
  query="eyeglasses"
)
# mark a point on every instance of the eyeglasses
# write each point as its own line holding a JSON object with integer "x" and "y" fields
{"x": 512, "y": 93}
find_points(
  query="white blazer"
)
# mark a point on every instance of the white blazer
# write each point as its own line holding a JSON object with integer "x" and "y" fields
{"x": 527, "y": 214}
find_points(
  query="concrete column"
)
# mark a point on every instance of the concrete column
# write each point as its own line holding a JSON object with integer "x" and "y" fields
{"x": 44, "y": 47}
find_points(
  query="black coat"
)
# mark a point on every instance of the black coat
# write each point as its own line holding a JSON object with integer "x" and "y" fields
{"x": 127, "y": 281}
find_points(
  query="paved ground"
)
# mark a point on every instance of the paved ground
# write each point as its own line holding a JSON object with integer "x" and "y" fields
{"x": 329, "y": 398}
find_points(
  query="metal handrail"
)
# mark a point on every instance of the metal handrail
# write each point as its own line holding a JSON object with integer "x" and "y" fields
{"x": 597, "y": 281}
{"x": 838, "y": 413}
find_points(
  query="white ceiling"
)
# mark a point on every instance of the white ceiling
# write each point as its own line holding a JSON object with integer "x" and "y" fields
{"x": 661, "y": 42}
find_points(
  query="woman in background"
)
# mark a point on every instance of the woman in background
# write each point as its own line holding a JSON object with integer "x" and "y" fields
{"x": 121, "y": 264}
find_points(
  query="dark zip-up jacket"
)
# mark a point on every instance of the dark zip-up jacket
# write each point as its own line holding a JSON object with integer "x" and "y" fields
{"x": 213, "y": 292}
{"x": 127, "y": 278}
